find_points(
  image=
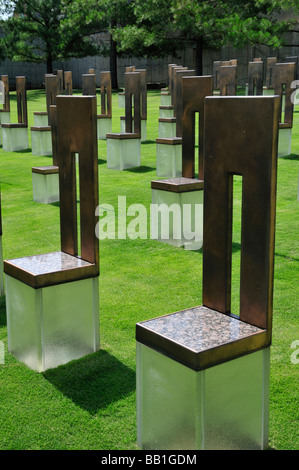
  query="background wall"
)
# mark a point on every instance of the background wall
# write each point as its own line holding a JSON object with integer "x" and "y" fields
{"x": 157, "y": 69}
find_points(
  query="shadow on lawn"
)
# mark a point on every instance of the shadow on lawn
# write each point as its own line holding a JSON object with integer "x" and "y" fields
{"x": 94, "y": 381}
{"x": 292, "y": 156}
{"x": 141, "y": 169}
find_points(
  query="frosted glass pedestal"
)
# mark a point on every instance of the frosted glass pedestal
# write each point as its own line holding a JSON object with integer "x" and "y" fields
{"x": 190, "y": 395}
{"x": 121, "y": 99}
{"x": 169, "y": 157}
{"x": 143, "y": 127}
{"x": 40, "y": 118}
{"x": 53, "y": 324}
{"x": 104, "y": 126}
{"x": 14, "y": 137}
{"x": 45, "y": 184}
{"x": 165, "y": 98}
{"x": 177, "y": 212}
{"x": 123, "y": 151}
{"x": 166, "y": 111}
{"x": 41, "y": 140}
{"x": 4, "y": 116}
{"x": 167, "y": 127}
{"x": 284, "y": 141}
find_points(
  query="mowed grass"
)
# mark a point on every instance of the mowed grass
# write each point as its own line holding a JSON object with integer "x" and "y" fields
{"x": 91, "y": 403}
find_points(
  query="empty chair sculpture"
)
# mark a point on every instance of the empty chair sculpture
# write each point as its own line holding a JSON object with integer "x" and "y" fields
{"x": 203, "y": 372}
{"x": 52, "y": 298}
{"x": 270, "y": 76}
{"x": 228, "y": 80}
{"x": 167, "y": 119}
{"x": 5, "y": 110}
{"x": 169, "y": 149}
{"x": 143, "y": 106}
{"x": 124, "y": 149}
{"x": 285, "y": 74}
{"x": 41, "y": 141}
{"x": 105, "y": 118}
{"x": 68, "y": 82}
{"x": 183, "y": 196}
{"x": 15, "y": 135}
{"x": 255, "y": 78}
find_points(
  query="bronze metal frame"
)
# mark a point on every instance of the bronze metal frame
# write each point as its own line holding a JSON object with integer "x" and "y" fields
{"x": 270, "y": 72}
{"x": 132, "y": 89}
{"x": 238, "y": 120}
{"x": 256, "y": 160}
{"x": 52, "y": 90}
{"x": 143, "y": 91}
{"x": 76, "y": 133}
{"x": 21, "y": 105}
{"x": 195, "y": 89}
{"x": 59, "y": 74}
{"x": 178, "y": 99}
{"x": 68, "y": 82}
{"x": 6, "y": 104}
{"x": 89, "y": 84}
{"x": 285, "y": 74}
{"x": 228, "y": 80}
{"x": 106, "y": 102}
{"x": 255, "y": 78}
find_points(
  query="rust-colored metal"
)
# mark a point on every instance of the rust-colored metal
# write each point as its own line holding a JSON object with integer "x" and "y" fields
{"x": 130, "y": 68}
{"x": 21, "y": 100}
{"x": 253, "y": 130}
{"x": 257, "y": 59}
{"x": 174, "y": 86}
{"x": 228, "y": 80}
{"x": 6, "y": 104}
{"x": 68, "y": 82}
{"x": 233, "y": 62}
{"x": 59, "y": 74}
{"x": 255, "y": 78}
{"x": 285, "y": 74}
{"x": 52, "y": 90}
{"x": 106, "y": 100}
{"x": 77, "y": 133}
{"x": 91, "y": 71}
{"x": 216, "y": 74}
{"x": 89, "y": 84}
{"x": 143, "y": 91}
{"x": 179, "y": 74}
{"x": 251, "y": 124}
{"x": 195, "y": 89}
{"x": 270, "y": 72}
{"x": 296, "y": 60}
{"x": 53, "y": 121}
{"x": 132, "y": 93}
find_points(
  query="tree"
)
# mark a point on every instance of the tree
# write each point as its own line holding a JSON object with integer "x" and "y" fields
{"x": 101, "y": 16}
{"x": 177, "y": 24}
{"x": 37, "y": 31}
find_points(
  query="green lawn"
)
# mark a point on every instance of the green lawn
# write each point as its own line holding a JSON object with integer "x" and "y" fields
{"x": 91, "y": 403}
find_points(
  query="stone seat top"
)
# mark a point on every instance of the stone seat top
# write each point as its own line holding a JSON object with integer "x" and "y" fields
{"x": 178, "y": 185}
{"x": 199, "y": 337}
{"x": 49, "y": 269}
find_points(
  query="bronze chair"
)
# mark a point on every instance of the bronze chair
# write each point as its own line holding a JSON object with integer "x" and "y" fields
{"x": 69, "y": 277}
{"x": 203, "y": 372}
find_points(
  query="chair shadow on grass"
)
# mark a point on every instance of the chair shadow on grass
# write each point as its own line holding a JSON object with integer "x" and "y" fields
{"x": 292, "y": 156}
{"x": 94, "y": 381}
{"x": 141, "y": 169}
